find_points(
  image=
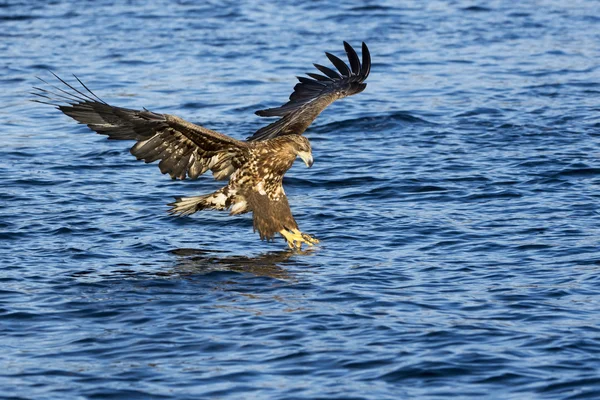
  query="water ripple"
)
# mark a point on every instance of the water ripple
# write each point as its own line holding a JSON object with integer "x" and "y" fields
{"x": 455, "y": 199}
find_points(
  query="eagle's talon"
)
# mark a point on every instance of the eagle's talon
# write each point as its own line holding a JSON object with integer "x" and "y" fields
{"x": 295, "y": 239}
{"x": 306, "y": 238}
{"x": 309, "y": 239}
{"x": 292, "y": 245}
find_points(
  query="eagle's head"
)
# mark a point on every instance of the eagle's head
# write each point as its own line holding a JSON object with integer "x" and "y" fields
{"x": 301, "y": 148}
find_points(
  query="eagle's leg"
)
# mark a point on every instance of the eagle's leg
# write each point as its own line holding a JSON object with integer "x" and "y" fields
{"x": 295, "y": 238}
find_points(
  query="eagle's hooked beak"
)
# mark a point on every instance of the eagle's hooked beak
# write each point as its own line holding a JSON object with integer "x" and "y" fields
{"x": 306, "y": 157}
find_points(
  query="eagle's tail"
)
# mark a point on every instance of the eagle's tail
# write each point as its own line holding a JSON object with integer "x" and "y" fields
{"x": 219, "y": 200}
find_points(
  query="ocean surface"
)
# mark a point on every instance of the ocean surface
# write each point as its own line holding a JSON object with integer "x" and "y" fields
{"x": 456, "y": 200}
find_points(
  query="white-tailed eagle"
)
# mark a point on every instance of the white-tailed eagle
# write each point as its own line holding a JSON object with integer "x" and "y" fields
{"x": 255, "y": 167}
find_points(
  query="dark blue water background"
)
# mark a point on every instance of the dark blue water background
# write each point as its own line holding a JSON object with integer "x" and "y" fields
{"x": 456, "y": 200}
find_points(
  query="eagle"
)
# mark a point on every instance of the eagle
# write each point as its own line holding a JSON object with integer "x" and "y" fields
{"x": 254, "y": 167}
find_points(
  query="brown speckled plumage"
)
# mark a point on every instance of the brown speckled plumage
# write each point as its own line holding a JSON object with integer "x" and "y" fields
{"x": 255, "y": 168}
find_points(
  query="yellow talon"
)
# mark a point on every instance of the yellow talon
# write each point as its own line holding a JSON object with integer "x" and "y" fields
{"x": 295, "y": 239}
{"x": 308, "y": 239}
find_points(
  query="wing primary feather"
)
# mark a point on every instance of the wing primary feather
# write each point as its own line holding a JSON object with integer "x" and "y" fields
{"x": 89, "y": 90}
{"x": 63, "y": 81}
{"x": 72, "y": 96}
{"x": 366, "y": 62}
{"x": 328, "y": 71}
{"x": 352, "y": 58}
{"x": 43, "y": 96}
{"x": 50, "y": 93}
{"x": 311, "y": 82}
{"x": 319, "y": 77}
{"x": 45, "y": 102}
{"x": 339, "y": 64}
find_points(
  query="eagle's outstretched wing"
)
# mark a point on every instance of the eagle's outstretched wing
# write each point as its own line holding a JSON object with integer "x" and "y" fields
{"x": 184, "y": 149}
{"x": 312, "y": 96}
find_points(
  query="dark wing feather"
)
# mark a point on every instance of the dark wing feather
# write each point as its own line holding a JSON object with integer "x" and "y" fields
{"x": 339, "y": 64}
{"x": 184, "y": 149}
{"x": 333, "y": 75}
{"x": 312, "y": 96}
{"x": 353, "y": 58}
{"x": 318, "y": 77}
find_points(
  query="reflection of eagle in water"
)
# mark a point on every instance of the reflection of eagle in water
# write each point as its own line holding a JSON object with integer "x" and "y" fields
{"x": 255, "y": 168}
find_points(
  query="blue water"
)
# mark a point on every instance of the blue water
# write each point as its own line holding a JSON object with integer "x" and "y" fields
{"x": 456, "y": 200}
